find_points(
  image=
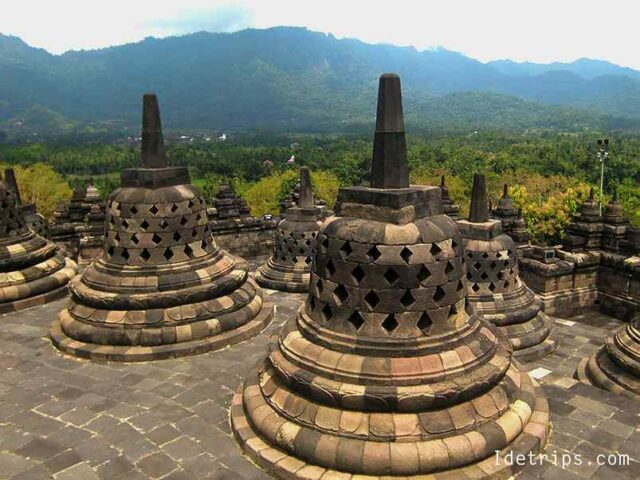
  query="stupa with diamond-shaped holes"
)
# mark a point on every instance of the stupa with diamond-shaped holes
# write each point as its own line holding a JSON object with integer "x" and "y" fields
{"x": 387, "y": 370}
{"x": 494, "y": 285}
{"x": 162, "y": 288}
{"x": 289, "y": 268}
{"x": 32, "y": 270}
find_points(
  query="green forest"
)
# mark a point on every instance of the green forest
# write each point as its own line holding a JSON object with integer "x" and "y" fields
{"x": 549, "y": 174}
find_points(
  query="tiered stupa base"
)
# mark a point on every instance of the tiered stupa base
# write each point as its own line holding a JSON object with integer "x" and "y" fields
{"x": 41, "y": 274}
{"x": 616, "y": 366}
{"x": 282, "y": 277}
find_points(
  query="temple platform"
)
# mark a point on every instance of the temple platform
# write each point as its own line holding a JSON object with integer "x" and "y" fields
{"x": 66, "y": 418}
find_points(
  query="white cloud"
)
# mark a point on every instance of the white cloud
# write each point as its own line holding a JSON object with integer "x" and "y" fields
{"x": 534, "y": 30}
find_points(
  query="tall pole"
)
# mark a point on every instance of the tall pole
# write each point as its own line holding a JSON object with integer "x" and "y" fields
{"x": 603, "y": 154}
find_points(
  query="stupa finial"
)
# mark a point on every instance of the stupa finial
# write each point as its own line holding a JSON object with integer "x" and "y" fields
{"x": 505, "y": 191}
{"x": 442, "y": 184}
{"x": 153, "y": 154}
{"x": 591, "y": 194}
{"x": 306, "y": 193}
{"x": 389, "y": 168}
{"x": 478, "y": 212}
{"x": 10, "y": 179}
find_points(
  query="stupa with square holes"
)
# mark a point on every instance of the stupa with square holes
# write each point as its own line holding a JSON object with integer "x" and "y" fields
{"x": 494, "y": 285}
{"x": 289, "y": 268}
{"x": 387, "y": 370}
{"x": 32, "y": 270}
{"x": 162, "y": 288}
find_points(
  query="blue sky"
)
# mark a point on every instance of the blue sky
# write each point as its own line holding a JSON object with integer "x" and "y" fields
{"x": 522, "y": 30}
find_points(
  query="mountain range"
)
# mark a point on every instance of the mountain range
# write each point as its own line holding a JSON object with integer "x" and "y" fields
{"x": 293, "y": 79}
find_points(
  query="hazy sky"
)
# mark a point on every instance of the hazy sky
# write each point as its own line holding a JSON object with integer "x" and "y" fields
{"x": 534, "y": 30}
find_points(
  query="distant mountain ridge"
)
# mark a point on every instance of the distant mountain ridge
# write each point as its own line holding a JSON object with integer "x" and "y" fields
{"x": 299, "y": 80}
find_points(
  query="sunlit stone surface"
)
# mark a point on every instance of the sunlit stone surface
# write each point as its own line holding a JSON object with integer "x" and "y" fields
{"x": 163, "y": 288}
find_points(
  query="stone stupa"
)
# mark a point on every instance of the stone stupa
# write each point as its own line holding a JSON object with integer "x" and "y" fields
{"x": 32, "y": 270}
{"x": 34, "y": 220}
{"x": 494, "y": 286}
{"x": 289, "y": 268}
{"x": 386, "y": 370}
{"x": 162, "y": 287}
{"x": 616, "y": 366}
{"x": 513, "y": 224}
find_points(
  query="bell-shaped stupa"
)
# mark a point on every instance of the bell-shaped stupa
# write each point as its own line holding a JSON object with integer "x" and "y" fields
{"x": 32, "y": 271}
{"x": 494, "y": 286}
{"x": 34, "y": 220}
{"x": 616, "y": 366}
{"x": 162, "y": 287}
{"x": 386, "y": 371}
{"x": 289, "y": 268}
{"x": 513, "y": 224}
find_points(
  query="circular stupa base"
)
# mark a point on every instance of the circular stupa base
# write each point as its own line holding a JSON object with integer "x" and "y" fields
{"x": 284, "y": 277}
{"x": 600, "y": 371}
{"x": 45, "y": 289}
{"x": 531, "y": 440}
{"x": 121, "y": 353}
{"x": 538, "y": 343}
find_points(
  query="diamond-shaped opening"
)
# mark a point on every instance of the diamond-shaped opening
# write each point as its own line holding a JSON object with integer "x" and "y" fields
{"x": 294, "y": 259}
{"x": 194, "y": 233}
{"x": 425, "y": 322}
{"x": 498, "y": 255}
{"x": 133, "y": 209}
{"x": 439, "y": 294}
{"x": 484, "y": 276}
{"x": 391, "y": 276}
{"x": 203, "y": 244}
{"x": 174, "y": 207}
{"x": 435, "y": 249}
{"x": 493, "y": 265}
{"x": 346, "y": 249}
{"x": 308, "y": 260}
{"x": 145, "y": 255}
{"x": 356, "y": 320}
{"x": 423, "y": 274}
{"x": 125, "y": 254}
{"x": 325, "y": 242}
{"x": 374, "y": 253}
{"x": 469, "y": 275}
{"x": 485, "y": 255}
{"x": 407, "y": 299}
{"x": 406, "y": 254}
{"x": 188, "y": 251}
{"x": 168, "y": 253}
{"x": 449, "y": 268}
{"x": 134, "y": 239}
{"x": 153, "y": 210}
{"x": 327, "y": 313}
{"x": 372, "y": 299}
{"x": 492, "y": 287}
{"x": 144, "y": 225}
{"x": 477, "y": 265}
{"x": 183, "y": 221}
{"x": 125, "y": 224}
{"x": 460, "y": 285}
{"x": 453, "y": 310}
{"x": 500, "y": 275}
{"x": 116, "y": 237}
{"x": 469, "y": 254}
{"x": 475, "y": 287}
{"x": 190, "y": 204}
{"x": 118, "y": 207}
{"x": 330, "y": 267}
{"x": 390, "y": 323}
{"x": 156, "y": 239}
{"x": 357, "y": 273}
{"x": 506, "y": 284}
{"x": 313, "y": 235}
{"x": 177, "y": 236}
{"x": 341, "y": 293}
{"x": 111, "y": 250}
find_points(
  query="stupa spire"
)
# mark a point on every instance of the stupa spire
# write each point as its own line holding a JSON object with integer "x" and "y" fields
{"x": 153, "y": 153}
{"x": 478, "y": 212}
{"x": 10, "y": 178}
{"x": 505, "y": 191}
{"x": 389, "y": 168}
{"x": 306, "y": 193}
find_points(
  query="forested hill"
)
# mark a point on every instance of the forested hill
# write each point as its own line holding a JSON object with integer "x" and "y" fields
{"x": 297, "y": 80}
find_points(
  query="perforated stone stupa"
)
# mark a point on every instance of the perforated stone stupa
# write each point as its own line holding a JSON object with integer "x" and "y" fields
{"x": 513, "y": 224}
{"x": 34, "y": 220}
{"x": 616, "y": 366}
{"x": 162, "y": 288}
{"x": 386, "y": 369}
{"x": 32, "y": 271}
{"x": 289, "y": 268}
{"x": 494, "y": 285}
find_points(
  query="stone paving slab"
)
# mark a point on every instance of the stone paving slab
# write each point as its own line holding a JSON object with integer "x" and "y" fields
{"x": 66, "y": 418}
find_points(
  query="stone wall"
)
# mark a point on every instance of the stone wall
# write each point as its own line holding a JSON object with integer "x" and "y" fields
{"x": 245, "y": 237}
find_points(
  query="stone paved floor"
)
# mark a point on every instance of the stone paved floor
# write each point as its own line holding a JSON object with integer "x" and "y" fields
{"x": 69, "y": 419}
